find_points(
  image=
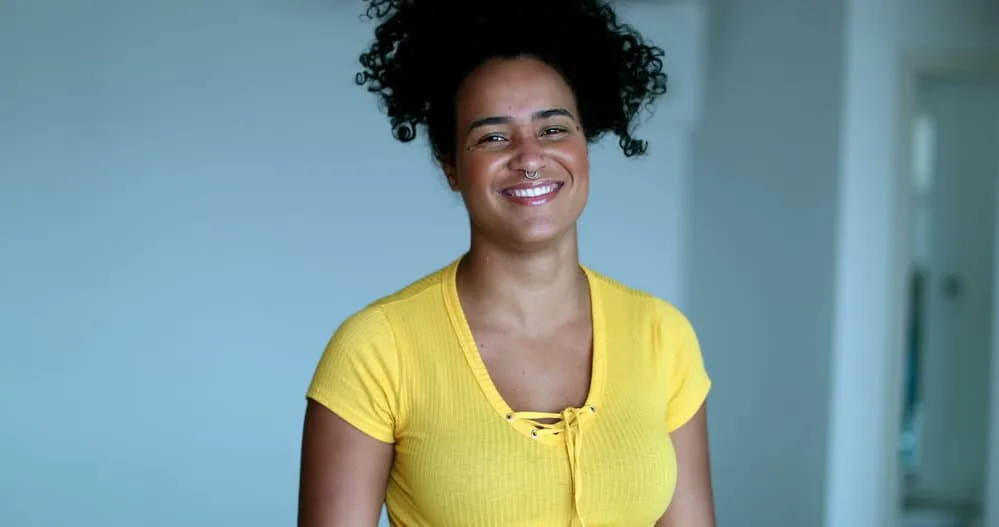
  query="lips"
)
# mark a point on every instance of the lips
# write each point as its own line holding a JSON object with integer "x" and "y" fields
{"x": 533, "y": 192}
{"x": 537, "y": 194}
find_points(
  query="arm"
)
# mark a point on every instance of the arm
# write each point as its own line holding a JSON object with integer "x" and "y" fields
{"x": 693, "y": 504}
{"x": 344, "y": 472}
{"x": 350, "y": 425}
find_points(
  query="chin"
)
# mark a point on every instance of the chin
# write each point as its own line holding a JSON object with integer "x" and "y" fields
{"x": 542, "y": 238}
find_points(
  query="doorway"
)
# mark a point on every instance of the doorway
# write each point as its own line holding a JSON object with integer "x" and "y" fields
{"x": 951, "y": 364}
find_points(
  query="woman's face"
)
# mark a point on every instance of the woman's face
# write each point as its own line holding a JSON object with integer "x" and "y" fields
{"x": 518, "y": 117}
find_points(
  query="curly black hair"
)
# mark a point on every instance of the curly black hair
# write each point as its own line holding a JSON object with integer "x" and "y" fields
{"x": 424, "y": 49}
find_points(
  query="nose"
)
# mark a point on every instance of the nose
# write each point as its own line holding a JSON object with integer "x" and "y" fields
{"x": 529, "y": 155}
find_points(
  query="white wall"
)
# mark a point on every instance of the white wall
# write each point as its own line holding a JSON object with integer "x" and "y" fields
{"x": 862, "y": 488}
{"x": 761, "y": 253}
{"x": 194, "y": 194}
{"x": 793, "y": 252}
{"x": 863, "y": 429}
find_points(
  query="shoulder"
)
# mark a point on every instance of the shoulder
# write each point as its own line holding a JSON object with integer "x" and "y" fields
{"x": 360, "y": 373}
{"x": 410, "y": 304}
{"x": 625, "y": 301}
{"x": 416, "y": 291}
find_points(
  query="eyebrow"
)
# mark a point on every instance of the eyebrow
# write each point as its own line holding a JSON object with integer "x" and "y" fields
{"x": 536, "y": 116}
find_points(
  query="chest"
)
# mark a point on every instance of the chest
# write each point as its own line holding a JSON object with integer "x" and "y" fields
{"x": 542, "y": 374}
{"x": 460, "y": 461}
{"x": 618, "y": 468}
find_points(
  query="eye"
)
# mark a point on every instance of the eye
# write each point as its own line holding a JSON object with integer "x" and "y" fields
{"x": 553, "y": 130}
{"x": 492, "y": 138}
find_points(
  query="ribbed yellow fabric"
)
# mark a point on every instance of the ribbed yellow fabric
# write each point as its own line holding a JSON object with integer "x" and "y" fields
{"x": 405, "y": 370}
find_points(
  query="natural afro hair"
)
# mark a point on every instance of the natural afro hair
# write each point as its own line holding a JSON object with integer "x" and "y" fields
{"x": 424, "y": 49}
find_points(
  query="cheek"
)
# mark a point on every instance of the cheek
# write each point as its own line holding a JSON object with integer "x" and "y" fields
{"x": 475, "y": 172}
{"x": 577, "y": 160}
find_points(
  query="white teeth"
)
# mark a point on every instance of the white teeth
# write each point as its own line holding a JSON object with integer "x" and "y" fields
{"x": 533, "y": 192}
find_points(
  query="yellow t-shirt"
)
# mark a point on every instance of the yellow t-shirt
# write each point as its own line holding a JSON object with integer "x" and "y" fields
{"x": 405, "y": 370}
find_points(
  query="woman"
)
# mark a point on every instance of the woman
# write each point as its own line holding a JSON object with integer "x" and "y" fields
{"x": 514, "y": 386}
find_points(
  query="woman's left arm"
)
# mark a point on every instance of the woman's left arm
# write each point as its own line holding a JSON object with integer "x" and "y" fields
{"x": 693, "y": 501}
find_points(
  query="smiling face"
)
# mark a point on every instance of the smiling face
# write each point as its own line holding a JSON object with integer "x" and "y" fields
{"x": 518, "y": 117}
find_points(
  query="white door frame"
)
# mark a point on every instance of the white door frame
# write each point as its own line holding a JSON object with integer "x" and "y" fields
{"x": 914, "y": 66}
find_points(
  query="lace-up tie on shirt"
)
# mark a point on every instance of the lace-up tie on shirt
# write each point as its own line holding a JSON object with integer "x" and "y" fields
{"x": 567, "y": 425}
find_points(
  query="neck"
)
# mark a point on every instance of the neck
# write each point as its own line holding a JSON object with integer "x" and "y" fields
{"x": 529, "y": 291}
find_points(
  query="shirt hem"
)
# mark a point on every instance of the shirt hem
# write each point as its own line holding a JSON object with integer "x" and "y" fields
{"x": 689, "y": 406}
{"x": 351, "y": 415}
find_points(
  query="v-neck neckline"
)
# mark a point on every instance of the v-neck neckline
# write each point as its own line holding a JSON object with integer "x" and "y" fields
{"x": 481, "y": 373}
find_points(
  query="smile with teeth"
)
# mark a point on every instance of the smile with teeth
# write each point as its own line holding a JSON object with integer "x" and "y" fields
{"x": 533, "y": 192}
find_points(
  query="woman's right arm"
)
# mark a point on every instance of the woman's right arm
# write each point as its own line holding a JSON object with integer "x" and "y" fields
{"x": 344, "y": 472}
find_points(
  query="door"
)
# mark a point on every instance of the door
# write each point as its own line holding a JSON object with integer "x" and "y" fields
{"x": 956, "y": 171}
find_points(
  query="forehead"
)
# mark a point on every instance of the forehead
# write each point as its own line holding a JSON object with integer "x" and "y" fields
{"x": 513, "y": 87}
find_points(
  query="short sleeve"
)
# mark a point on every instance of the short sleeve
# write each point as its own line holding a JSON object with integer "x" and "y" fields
{"x": 688, "y": 381}
{"x": 357, "y": 375}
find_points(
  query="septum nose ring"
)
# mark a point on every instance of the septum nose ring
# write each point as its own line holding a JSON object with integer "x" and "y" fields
{"x": 532, "y": 174}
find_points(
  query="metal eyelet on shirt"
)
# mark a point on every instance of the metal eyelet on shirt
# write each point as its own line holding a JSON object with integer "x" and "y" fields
{"x": 593, "y": 409}
{"x": 509, "y": 417}
{"x": 534, "y": 433}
